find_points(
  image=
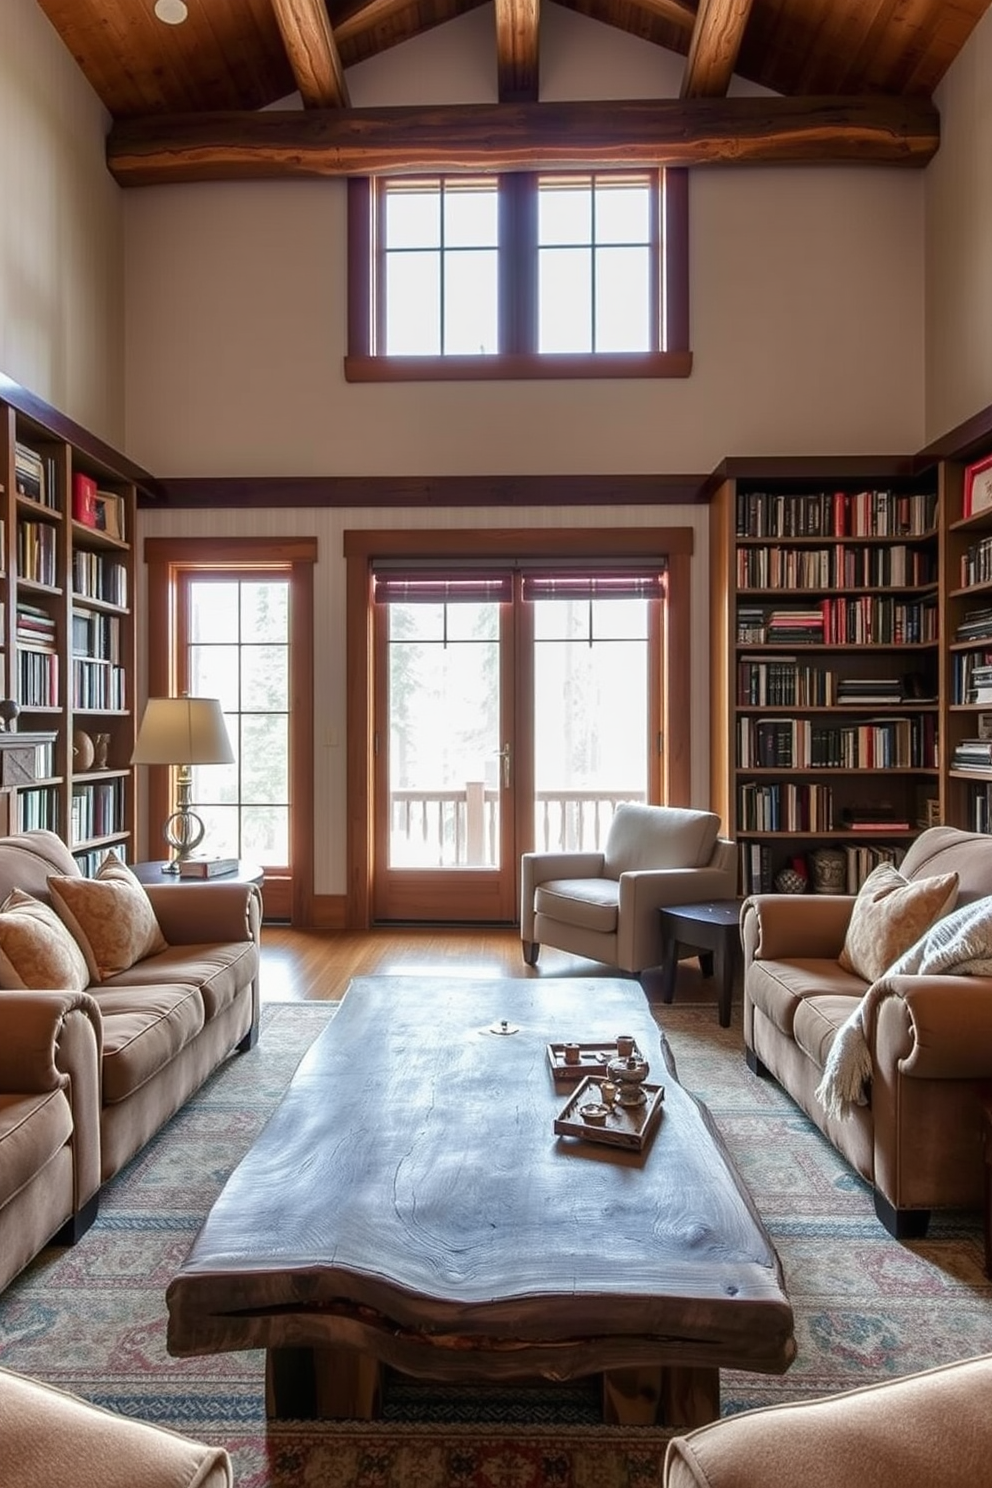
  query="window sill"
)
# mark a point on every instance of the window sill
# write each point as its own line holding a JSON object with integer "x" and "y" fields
{"x": 517, "y": 368}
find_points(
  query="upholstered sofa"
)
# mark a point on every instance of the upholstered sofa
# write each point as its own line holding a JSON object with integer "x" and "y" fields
{"x": 917, "y": 1431}
{"x": 604, "y": 905}
{"x": 915, "y": 1131}
{"x": 116, "y": 1003}
{"x": 49, "y": 1439}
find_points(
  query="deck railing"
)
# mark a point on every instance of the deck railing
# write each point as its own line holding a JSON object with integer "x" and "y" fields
{"x": 460, "y": 828}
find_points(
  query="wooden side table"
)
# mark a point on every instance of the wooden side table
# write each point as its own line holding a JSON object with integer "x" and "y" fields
{"x": 712, "y": 928}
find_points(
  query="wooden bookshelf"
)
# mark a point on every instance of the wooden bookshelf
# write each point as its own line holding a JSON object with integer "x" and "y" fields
{"x": 825, "y": 585}
{"x": 67, "y": 634}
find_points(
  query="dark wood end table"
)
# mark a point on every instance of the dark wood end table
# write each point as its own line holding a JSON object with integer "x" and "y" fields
{"x": 712, "y": 928}
{"x": 156, "y": 873}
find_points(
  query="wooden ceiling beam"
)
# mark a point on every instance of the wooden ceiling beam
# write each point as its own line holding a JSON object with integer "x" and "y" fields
{"x": 526, "y": 136}
{"x": 517, "y": 49}
{"x": 716, "y": 41}
{"x": 312, "y": 52}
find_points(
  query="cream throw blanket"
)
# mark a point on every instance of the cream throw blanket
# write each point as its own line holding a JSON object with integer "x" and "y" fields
{"x": 958, "y": 945}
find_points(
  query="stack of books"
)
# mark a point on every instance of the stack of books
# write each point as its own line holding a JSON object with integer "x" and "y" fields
{"x": 981, "y": 684}
{"x": 207, "y": 867}
{"x": 973, "y": 754}
{"x": 750, "y": 625}
{"x": 878, "y": 818}
{"x": 869, "y": 690}
{"x": 976, "y": 626}
{"x": 795, "y": 627}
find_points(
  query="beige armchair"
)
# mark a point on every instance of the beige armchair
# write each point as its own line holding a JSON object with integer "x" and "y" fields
{"x": 604, "y": 905}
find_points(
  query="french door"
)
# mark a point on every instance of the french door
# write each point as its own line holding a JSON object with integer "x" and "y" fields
{"x": 515, "y": 706}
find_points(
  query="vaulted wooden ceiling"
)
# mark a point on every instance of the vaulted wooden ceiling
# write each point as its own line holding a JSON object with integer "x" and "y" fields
{"x": 855, "y": 79}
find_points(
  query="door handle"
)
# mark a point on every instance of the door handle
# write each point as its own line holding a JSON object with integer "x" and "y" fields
{"x": 505, "y": 755}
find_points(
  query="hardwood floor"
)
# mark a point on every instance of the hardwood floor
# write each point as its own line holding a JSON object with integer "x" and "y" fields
{"x": 300, "y": 965}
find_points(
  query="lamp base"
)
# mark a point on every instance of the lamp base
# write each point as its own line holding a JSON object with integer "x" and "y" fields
{"x": 184, "y": 831}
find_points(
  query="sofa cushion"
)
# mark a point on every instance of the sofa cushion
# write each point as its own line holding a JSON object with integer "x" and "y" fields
{"x": 959, "y": 944}
{"x": 143, "y": 1029}
{"x": 590, "y": 903}
{"x": 219, "y": 971}
{"x": 817, "y": 1021}
{"x": 33, "y": 1129}
{"x": 889, "y": 914}
{"x": 779, "y": 988}
{"x": 110, "y": 915}
{"x": 659, "y": 837}
{"x": 36, "y": 949}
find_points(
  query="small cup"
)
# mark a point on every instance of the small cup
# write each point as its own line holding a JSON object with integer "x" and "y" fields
{"x": 572, "y": 1053}
{"x": 625, "y": 1045}
{"x": 608, "y": 1091}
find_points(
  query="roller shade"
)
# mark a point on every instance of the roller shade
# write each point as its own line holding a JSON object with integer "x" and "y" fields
{"x": 591, "y": 583}
{"x": 442, "y": 586}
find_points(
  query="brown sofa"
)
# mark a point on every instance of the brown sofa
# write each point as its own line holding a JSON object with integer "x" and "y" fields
{"x": 918, "y": 1137}
{"x": 917, "y": 1431}
{"x": 88, "y": 1076}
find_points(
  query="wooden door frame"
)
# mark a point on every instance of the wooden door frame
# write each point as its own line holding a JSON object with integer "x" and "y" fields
{"x": 361, "y": 547}
{"x": 293, "y": 558}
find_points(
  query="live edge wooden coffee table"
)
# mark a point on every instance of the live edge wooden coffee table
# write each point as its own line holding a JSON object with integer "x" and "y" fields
{"x": 409, "y": 1205}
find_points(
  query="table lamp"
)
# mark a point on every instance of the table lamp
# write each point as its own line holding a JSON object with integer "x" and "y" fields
{"x": 182, "y": 732}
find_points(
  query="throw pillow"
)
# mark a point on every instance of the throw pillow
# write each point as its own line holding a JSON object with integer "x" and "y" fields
{"x": 960, "y": 944}
{"x": 36, "y": 949}
{"x": 890, "y": 913}
{"x": 111, "y": 917}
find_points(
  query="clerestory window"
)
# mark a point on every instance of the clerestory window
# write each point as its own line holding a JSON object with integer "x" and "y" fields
{"x": 570, "y": 274}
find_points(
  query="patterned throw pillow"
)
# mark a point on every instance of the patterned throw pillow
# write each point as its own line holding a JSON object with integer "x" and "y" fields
{"x": 36, "y": 949}
{"x": 111, "y": 917}
{"x": 889, "y": 915}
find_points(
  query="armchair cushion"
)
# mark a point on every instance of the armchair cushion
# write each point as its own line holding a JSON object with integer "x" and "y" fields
{"x": 659, "y": 837}
{"x": 36, "y": 949}
{"x": 591, "y": 903}
{"x": 111, "y": 917}
{"x": 890, "y": 913}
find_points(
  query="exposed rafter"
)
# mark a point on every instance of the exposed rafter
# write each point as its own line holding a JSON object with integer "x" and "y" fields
{"x": 312, "y": 52}
{"x": 716, "y": 40}
{"x": 517, "y": 45}
{"x": 525, "y": 136}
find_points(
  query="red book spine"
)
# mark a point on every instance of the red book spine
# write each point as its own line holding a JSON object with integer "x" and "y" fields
{"x": 84, "y": 498}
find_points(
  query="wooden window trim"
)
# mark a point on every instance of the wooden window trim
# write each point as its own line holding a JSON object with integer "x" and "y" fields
{"x": 363, "y": 364}
{"x": 361, "y": 547}
{"x": 168, "y": 558}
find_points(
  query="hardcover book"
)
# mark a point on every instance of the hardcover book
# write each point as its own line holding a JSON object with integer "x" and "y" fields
{"x": 207, "y": 867}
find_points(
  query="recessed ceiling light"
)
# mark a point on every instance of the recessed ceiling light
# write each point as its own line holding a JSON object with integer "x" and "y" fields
{"x": 172, "y": 12}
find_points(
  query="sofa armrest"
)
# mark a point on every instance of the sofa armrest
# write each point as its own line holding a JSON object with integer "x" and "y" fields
{"x": 946, "y": 1022}
{"x": 540, "y": 867}
{"x": 932, "y": 1427}
{"x": 31, "y": 1024}
{"x": 775, "y": 927}
{"x": 51, "y": 1041}
{"x": 203, "y": 914}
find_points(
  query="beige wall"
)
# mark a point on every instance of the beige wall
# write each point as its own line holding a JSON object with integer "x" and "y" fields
{"x": 807, "y": 328}
{"x": 61, "y": 230}
{"x": 959, "y": 243}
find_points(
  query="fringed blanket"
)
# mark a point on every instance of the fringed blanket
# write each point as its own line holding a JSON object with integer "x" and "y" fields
{"x": 958, "y": 945}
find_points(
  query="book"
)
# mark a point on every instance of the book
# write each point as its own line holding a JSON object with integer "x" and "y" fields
{"x": 207, "y": 867}
{"x": 83, "y": 498}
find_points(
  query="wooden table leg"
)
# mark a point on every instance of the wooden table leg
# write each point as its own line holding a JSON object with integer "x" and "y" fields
{"x": 307, "y": 1384}
{"x": 631, "y": 1396}
{"x": 669, "y": 967}
{"x": 725, "y": 965}
{"x": 677, "y": 1396}
{"x": 690, "y": 1397}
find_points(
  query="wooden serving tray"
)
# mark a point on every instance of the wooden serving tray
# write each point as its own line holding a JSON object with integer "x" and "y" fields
{"x": 625, "y": 1126}
{"x": 593, "y": 1059}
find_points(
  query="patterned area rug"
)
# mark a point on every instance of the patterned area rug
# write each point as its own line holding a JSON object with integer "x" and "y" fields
{"x": 92, "y": 1319}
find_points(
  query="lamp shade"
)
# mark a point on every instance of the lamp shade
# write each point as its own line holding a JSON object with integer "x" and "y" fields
{"x": 182, "y": 731}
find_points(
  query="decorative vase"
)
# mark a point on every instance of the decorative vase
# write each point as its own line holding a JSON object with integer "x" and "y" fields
{"x": 788, "y": 881}
{"x": 829, "y": 866}
{"x": 101, "y": 750}
{"x": 83, "y": 751}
